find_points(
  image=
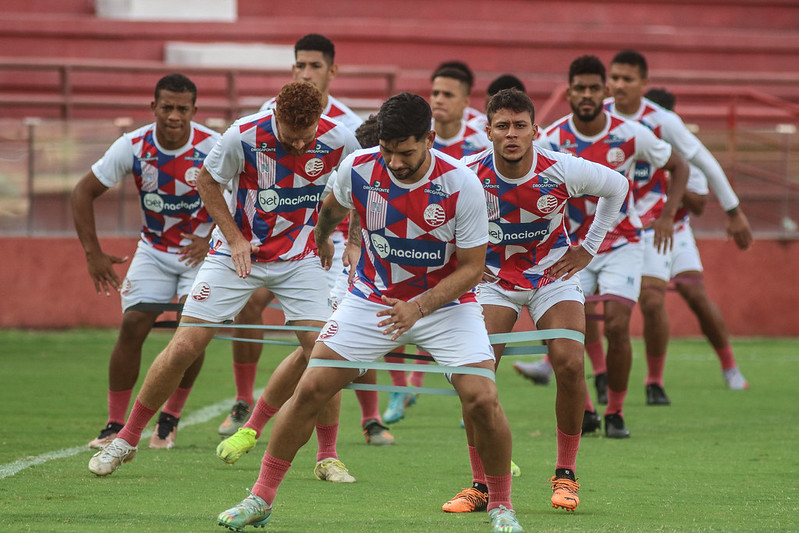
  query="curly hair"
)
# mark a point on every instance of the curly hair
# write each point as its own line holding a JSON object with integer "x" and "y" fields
{"x": 299, "y": 105}
{"x": 367, "y": 132}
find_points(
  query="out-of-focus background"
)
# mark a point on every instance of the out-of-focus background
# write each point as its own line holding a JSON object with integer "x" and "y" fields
{"x": 74, "y": 74}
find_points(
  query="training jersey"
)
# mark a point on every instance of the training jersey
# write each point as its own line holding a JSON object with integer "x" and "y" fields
{"x": 668, "y": 126}
{"x": 617, "y": 146}
{"x": 276, "y": 196}
{"x": 527, "y": 229}
{"x": 477, "y": 120}
{"x": 334, "y": 109}
{"x": 411, "y": 231}
{"x": 166, "y": 181}
{"x": 471, "y": 139}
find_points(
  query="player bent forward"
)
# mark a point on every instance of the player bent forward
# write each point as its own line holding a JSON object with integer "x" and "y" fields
{"x": 437, "y": 208}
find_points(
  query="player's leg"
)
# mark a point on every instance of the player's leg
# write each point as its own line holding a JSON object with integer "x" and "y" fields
{"x": 656, "y": 336}
{"x": 595, "y": 350}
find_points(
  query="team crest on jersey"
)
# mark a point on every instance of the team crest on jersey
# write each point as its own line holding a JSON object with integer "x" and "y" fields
{"x": 434, "y": 215}
{"x": 547, "y": 203}
{"x": 201, "y": 292}
{"x": 615, "y": 157}
{"x": 330, "y": 329}
{"x": 314, "y": 167}
{"x": 126, "y": 286}
{"x": 191, "y": 176}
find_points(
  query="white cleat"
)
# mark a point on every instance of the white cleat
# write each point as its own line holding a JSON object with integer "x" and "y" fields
{"x": 735, "y": 380}
{"x": 540, "y": 371}
{"x": 332, "y": 470}
{"x": 111, "y": 457}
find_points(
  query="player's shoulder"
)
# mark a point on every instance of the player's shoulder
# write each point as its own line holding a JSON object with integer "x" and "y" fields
{"x": 474, "y": 159}
{"x": 556, "y": 125}
{"x": 205, "y": 131}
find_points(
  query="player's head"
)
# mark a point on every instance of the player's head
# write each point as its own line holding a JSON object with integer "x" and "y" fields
{"x": 587, "y": 89}
{"x": 449, "y": 95}
{"x": 511, "y": 124}
{"x": 174, "y": 108}
{"x": 627, "y": 79}
{"x": 468, "y": 75}
{"x": 367, "y": 132}
{"x": 314, "y": 61}
{"x": 662, "y": 97}
{"x": 297, "y": 111}
{"x": 506, "y": 81}
{"x": 405, "y": 138}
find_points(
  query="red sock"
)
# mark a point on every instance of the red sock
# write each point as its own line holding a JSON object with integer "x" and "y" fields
{"x": 273, "y": 470}
{"x": 654, "y": 369}
{"x": 478, "y": 474}
{"x": 615, "y": 402}
{"x": 261, "y": 414}
{"x": 139, "y": 418}
{"x": 244, "y": 376}
{"x": 398, "y": 377}
{"x": 726, "y": 358}
{"x": 174, "y": 405}
{"x": 326, "y": 437}
{"x": 567, "y": 450}
{"x": 417, "y": 378}
{"x": 596, "y": 354}
{"x": 589, "y": 405}
{"x": 118, "y": 402}
{"x": 499, "y": 491}
{"x": 370, "y": 405}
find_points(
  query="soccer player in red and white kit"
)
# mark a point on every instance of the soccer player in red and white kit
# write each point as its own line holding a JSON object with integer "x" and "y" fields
{"x": 163, "y": 158}
{"x": 278, "y": 164}
{"x": 627, "y": 81}
{"x": 595, "y": 134}
{"x": 531, "y": 264}
{"x": 423, "y": 253}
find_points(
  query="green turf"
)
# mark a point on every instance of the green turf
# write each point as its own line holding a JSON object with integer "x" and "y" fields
{"x": 715, "y": 460}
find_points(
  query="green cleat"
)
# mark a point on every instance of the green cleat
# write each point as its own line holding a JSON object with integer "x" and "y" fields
{"x": 251, "y": 511}
{"x": 515, "y": 471}
{"x": 232, "y": 448}
{"x": 503, "y": 520}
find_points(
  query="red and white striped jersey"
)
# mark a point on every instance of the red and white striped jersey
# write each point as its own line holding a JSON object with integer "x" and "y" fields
{"x": 166, "y": 181}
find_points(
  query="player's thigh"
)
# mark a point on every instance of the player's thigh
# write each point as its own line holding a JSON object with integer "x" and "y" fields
{"x": 620, "y": 272}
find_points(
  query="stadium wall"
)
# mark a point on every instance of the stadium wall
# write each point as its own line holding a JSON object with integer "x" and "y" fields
{"x": 46, "y": 286}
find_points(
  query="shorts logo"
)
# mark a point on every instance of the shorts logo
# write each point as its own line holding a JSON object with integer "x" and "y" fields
{"x": 201, "y": 292}
{"x": 547, "y": 203}
{"x": 126, "y": 286}
{"x": 615, "y": 157}
{"x": 434, "y": 215}
{"x": 153, "y": 202}
{"x": 314, "y": 167}
{"x": 191, "y": 176}
{"x": 330, "y": 329}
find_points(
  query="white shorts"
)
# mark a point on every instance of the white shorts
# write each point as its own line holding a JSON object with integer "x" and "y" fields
{"x": 219, "y": 294}
{"x": 337, "y": 275}
{"x": 656, "y": 264}
{"x": 617, "y": 272}
{"x": 454, "y": 335}
{"x": 537, "y": 301}
{"x": 685, "y": 256}
{"x": 155, "y": 276}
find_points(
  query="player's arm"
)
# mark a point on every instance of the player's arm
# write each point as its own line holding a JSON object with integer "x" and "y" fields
{"x": 331, "y": 214}
{"x": 99, "y": 263}
{"x": 664, "y": 225}
{"x": 695, "y": 202}
{"x": 352, "y": 248}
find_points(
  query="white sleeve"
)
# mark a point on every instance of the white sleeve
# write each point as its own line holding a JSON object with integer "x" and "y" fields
{"x": 471, "y": 226}
{"x": 342, "y": 183}
{"x": 587, "y": 178}
{"x": 226, "y": 159}
{"x": 716, "y": 178}
{"x": 697, "y": 183}
{"x": 115, "y": 164}
{"x": 649, "y": 148}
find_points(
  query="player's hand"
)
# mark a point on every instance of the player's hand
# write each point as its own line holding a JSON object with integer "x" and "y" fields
{"x": 352, "y": 254}
{"x": 325, "y": 250}
{"x": 574, "y": 260}
{"x": 194, "y": 253}
{"x": 664, "y": 233}
{"x": 101, "y": 270}
{"x": 401, "y": 316}
{"x": 240, "y": 252}
{"x": 738, "y": 228}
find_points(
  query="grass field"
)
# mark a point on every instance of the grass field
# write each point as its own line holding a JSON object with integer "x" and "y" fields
{"x": 715, "y": 460}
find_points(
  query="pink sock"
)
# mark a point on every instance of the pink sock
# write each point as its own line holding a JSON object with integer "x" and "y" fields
{"x": 654, "y": 369}
{"x": 118, "y": 402}
{"x": 326, "y": 439}
{"x": 244, "y": 376}
{"x": 478, "y": 474}
{"x": 417, "y": 378}
{"x": 398, "y": 377}
{"x": 370, "y": 405}
{"x": 726, "y": 358}
{"x": 615, "y": 402}
{"x": 261, "y": 414}
{"x": 589, "y": 405}
{"x": 596, "y": 354}
{"x": 567, "y": 450}
{"x": 273, "y": 470}
{"x": 499, "y": 491}
{"x": 174, "y": 405}
{"x": 139, "y": 417}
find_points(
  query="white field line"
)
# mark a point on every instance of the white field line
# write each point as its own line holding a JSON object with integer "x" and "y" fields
{"x": 204, "y": 414}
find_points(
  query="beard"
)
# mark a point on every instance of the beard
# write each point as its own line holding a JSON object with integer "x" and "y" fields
{"x": 587, "y": 116}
